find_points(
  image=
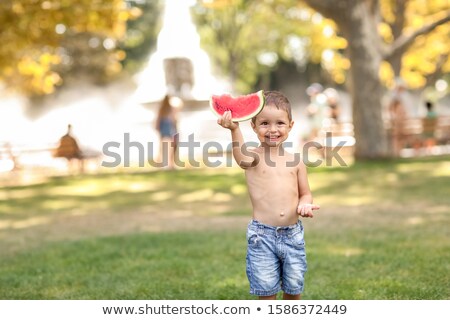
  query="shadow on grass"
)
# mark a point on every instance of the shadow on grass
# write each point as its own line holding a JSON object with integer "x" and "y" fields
{"x": 165, "y": 266}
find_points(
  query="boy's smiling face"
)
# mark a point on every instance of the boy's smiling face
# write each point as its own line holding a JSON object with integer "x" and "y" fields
{"x": 272, "y": 126}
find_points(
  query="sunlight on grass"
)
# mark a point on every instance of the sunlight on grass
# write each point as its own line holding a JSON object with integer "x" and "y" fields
{"x": 337, "y": 199}
{"x": 392, "y": 177}
{"x": 229, "y": 171}
{"x": 230, "y": 282}
{"x": 86, "y": 190}
{"x": 6, "y": 208}
{"x": 238, "y": 189}
{"x": 141, "y": 186}
{"x": 415, "y": 221}
{"x": 325, "y": 179}
{"x": 221, "y": 197}
{"x": 94, "y": 188}
{"x": 441, "y": 170}
{"x": 54, "y": 204}
{"x": 17, "y": 194}
{"x": 344, "y": 251}
{"x": 199, "y": 195}
{"x": 26, "y": 223}
{"x": 162, "y": 196}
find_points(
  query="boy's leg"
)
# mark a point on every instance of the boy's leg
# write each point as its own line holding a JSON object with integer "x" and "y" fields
{"x": 294, "y": 264}
{"x": 287, "y": 296}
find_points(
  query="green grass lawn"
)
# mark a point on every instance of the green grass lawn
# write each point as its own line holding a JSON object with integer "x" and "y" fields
{"x": 382, "y": 233}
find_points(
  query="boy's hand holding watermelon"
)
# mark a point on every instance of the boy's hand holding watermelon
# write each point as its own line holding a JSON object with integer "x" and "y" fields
{"x": 226, "y": 121}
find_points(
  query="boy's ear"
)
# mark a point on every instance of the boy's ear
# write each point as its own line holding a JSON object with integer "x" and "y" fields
{"x": 291, "y": 124}
{"x": 253, "y": 125}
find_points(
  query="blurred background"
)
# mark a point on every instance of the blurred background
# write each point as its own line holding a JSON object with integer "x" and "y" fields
{"x": 104, "y": 66}
{"x": 77, "y": 75}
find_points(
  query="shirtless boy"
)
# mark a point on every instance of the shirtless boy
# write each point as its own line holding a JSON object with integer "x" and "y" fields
{"x": 279, "y": 191}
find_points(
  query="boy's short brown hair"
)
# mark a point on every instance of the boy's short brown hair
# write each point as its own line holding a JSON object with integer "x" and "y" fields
{"x": 277, "y": 99}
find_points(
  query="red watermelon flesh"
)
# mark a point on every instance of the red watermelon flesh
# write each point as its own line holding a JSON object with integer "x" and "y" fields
{"x": 242, "y": 108}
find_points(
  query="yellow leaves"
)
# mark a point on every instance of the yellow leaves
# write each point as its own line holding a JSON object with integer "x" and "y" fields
{"x": 49, "y": 59}
{"x": 36, "y": 74}
{"x": 385, "y": 32}
{"x": 387, "y": 11}
{"x": 414, "y": 79}
{"x": 217, "y": 4}
{"x": 325, "y": 47}
{"x": 426, "y": 53}
{"x": 417, "y": 22}
{"x": 446, "y": 66}
{"x": 113, "y": 68}
{"x": 386, "y": 74}
{"x": 46, "y": 5}
{"x": 18, "y": 8}
{"x": 38, "y": 34}
{"x": 134, "y": 13}
{"x": 120, "y": 55}
{"x": 419, "y": 63}
{"x": 124, "y": 15}
{"x": 337, "y": 67}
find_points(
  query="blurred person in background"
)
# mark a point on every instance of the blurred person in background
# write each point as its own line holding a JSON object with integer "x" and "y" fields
{"x": 397, "y": 108}
{"x": 166, "y": 125}
{"x": 334, "y": 109}
{"x": 68, "y": 148}
{"x": 316, "y": 109}
{"x": 397, "y": 121}
{"x": 429, "y": 123}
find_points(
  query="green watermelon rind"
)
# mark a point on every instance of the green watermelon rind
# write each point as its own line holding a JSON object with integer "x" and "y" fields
{"x": 260, "y": 95}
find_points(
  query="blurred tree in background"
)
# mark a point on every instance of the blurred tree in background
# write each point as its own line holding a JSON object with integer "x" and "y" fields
{"x": 416, "y": 37}
{"x": 247, "y": 39}
{"x": 363, "y": 43}
{"x": 400, "y": 35}
{"x": 367, "y": 41}
{"x": 48, "y": 42}
{"x": 142, "y": 33}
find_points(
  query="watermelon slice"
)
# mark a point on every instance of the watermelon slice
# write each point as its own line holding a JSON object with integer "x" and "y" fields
{"x": 242, "y": 108}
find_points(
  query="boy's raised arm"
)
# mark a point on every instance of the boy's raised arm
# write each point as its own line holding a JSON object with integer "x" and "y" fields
{"x": 243, "y": 159}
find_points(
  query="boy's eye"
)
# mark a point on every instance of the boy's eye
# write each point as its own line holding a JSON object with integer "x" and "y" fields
{"x": 280, "y": 123}
{"x": 264, "y": 123}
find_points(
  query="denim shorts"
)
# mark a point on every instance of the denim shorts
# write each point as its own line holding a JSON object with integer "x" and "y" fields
{"x": 276, "y": 259}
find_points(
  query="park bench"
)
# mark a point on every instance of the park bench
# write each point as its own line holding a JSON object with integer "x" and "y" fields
{"x": 41, "y": 156}
{"x": 338, "y": 135}
{"x": 341, "y": 134}
{"x": 414, "y": 129}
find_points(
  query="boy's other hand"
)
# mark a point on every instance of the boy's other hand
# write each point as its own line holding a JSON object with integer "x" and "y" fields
{"x": 226, "y": 121}
{"x": 306, "y": 210}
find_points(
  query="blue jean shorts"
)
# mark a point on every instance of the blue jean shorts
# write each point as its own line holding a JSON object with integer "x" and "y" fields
{"x": 276, "y": 259}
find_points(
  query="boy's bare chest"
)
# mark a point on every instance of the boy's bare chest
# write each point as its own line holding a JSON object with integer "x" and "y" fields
{"x": 281, "y": 168}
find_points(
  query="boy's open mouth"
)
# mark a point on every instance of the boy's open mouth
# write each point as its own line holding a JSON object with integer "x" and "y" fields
{"x": 273, "y": 138}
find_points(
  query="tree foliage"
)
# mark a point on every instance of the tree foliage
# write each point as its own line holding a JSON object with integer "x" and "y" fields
{"x": 415, "y": 34}
{"x": 241, "y": 35}
{"x": 141, "y": 34}
{"x": 247, "y": 38}
{"x": 47, "y": 40}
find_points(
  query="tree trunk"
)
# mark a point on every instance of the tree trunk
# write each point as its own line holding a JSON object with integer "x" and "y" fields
{"x": 397, "y": 30}
{"x": 366, "y": 88}
{"x": 358, "y": 21}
